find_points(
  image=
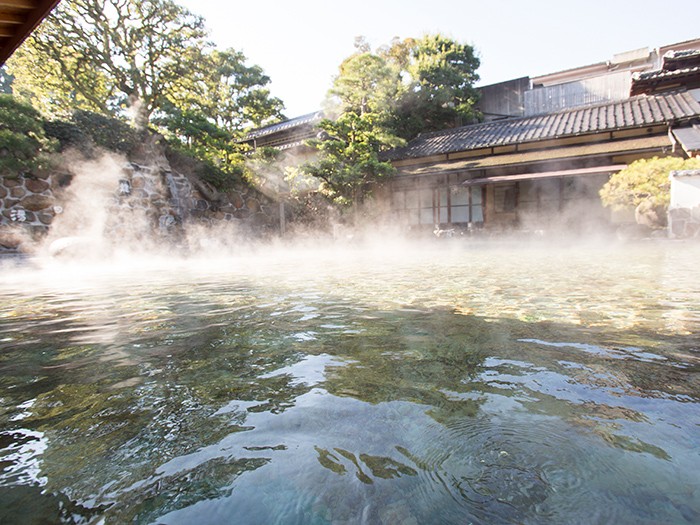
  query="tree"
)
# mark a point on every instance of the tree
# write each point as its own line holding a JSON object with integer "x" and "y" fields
{"x": 216, "y": 103}
{"x": 150, "y": 60}
{"x": 103, "y": 55}
{"x": 232, "y": 94}
{"x": 150, "y": 57}
{"x": 383, "y": 98}
{"x": 365, "y": 83}
{"x": 437, "y": 89}
{"x": 348, "y": 163}
{"x": 644, "y": 185}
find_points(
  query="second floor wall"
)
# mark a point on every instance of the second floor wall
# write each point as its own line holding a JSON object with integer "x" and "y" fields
{"x": 608, "y": 81}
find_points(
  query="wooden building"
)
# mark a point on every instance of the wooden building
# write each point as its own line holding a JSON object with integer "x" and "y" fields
{"x": 679, "y": 70}
{"x": 288, "y": 135}
{"x": 538, "y": 172}
{"x": 623, "y": 75}
{"x": 549, "y": 144}
{"x": 546, "y": 147}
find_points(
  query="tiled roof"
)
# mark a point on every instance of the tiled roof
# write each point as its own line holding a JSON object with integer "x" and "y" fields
{"x": 648, "y": 81}
{"x": 311, "y": 118}
{"x": 631, "y": 113}
{"x": 689, "y": 138}
{"x": 663, "y": 74}
{"x": 620, "y": 147}
{"x": 681, "y": 59}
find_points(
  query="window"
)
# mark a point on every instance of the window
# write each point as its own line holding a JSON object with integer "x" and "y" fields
{"x": 411, "y": 214}
{"x": 504, "y": 198}
{"x": 443, "y": 200}
{"x": 407, "y": 205}
{"x": 444, "y": 205}
{"x": 466, "y": 204}
{"x": 426, "y": 206}
{"x": 550, "y": 195}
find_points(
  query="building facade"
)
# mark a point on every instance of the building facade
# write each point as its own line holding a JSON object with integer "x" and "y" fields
{"x": 539, "y": 161}
{"x": 544, "y": 150}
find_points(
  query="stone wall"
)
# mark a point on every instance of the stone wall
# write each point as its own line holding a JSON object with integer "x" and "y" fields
{"x": 27, "y": 207}
{"x": 171, "y": 198}
{"x": 163, "y": 199}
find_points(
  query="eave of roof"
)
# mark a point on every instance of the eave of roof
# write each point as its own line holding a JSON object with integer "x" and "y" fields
{"x": 310, "y": 118}
{"x": 681, "y": 59}
{"x": 18, "y": 19}
{"x": 684, "y": 173}
{"x": 689, "y": 138}
{"x": 618, "y": 147}
{"x": 664, "y": 74}
{"x": 637, "y": 112}
{"x": 648, "y": 82}
{"x": 595, "y": 170}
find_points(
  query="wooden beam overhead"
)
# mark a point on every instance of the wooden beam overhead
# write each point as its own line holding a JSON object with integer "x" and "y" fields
{"x": 21, "y": 18}
{"x": 18, "y": 4}
{"x": 12, "y": 18}
{"x": 6, "y": 31}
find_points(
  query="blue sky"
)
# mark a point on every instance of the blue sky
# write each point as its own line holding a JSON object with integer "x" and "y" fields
{"x": 301, "y": 43}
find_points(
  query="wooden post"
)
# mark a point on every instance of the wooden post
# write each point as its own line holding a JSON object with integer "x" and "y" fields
{"x": 283, "y": 225}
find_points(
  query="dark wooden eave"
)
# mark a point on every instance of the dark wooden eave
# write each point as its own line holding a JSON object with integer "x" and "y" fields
{"x": 18, "y": 18}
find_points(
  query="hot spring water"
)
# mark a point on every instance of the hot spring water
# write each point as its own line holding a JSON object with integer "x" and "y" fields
{"x": 411, "y": 385}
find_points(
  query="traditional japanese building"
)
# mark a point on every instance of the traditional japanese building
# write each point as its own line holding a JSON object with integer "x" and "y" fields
{"x": 549, "y": 144}
{"x": 534, "y": 172}
{"x": 545, "y": 147}
{"x": 289, "y": 135}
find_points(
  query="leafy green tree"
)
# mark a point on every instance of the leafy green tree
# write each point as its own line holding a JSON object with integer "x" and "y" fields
{"x": 216, "y": 103}
{"x": 23, "y": 144}
{"x": 437, "y": 89}
{"x": 348, "y": 163}
{"x": 101, "y": 55}
{"x": 193, "y": 130}
{"x": 383, "y": 98}
{"x": 645, "y": 181}
{"x": 237, "y": 94}
{"x": 150, "y": 60}
{"x": 366, "y": 83}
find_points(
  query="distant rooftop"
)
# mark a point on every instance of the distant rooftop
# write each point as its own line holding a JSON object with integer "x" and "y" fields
{"x": 679, "y": 67}
{"x": 619, "y": 59}
{"x": 662, "y": 74}
{"x": 310, "y": 118}
{"x": 683, "y": 58}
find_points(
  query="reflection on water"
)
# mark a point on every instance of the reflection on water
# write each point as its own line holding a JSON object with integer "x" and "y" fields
{"x": 475, "y": 385}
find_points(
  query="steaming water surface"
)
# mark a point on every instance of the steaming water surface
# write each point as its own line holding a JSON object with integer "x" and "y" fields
{"x": 448, "y": 384}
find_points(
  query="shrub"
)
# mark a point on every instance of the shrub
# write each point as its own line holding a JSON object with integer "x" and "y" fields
{"x": 86, "y": 129}
{"x": 23, "y": 143}
{"x": 644, "y": 181}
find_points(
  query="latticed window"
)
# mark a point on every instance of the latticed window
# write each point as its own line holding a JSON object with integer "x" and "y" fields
{"x": 443, "y": 205}
{"x": 466, "y": 205}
